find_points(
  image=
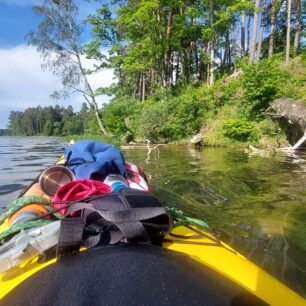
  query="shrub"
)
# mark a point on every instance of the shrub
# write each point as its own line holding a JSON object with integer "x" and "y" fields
{"x": 240, "y": 130}
{"x": 118, "y": 114}
{"x": 261, "y": 83}
{"x": 73, "y": 126}
{"x": 152, "y": 123}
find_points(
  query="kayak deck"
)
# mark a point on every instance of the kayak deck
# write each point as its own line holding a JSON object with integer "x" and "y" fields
{"x": 206, "y": 250}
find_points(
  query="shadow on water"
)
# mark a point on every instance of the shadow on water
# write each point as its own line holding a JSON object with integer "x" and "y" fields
{"x": 5, "y": 189}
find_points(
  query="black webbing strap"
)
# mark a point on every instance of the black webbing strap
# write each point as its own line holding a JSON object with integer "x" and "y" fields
{"x": 123, "y": 225}
{"x": 70, "y": 236}
{"x": 133, "y": 214}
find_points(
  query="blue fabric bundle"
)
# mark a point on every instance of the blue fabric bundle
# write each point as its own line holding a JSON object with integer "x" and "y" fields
{"x": 95, "y": 160}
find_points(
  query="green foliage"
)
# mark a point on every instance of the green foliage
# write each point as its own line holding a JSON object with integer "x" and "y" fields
{"x": 261, "y": 83}
{"x": 5, "y": 132}
{"x": 73, "y": 126}
{"x": 153, "y": 123}
{"x": 48, "y": 128}
{"x": 169, "y": 115}
{"x": 119, "y": 114}
{"x": 160, "y": 53}
{"x": 91, "y": 126}
{"x": 57, "y": 128}
{"x": 49, "y": 121}
{"x": 240, "y": 130}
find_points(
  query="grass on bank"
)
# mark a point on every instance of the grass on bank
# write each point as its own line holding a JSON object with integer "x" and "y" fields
{"x": 107, "y": 139}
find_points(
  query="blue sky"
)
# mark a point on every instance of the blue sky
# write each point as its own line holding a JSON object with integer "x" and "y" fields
{"x": 22, "y": 82}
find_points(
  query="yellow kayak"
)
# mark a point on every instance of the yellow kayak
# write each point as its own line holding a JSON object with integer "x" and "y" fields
{"x": 200, "y": 246}
{"x": 192, "y": 242}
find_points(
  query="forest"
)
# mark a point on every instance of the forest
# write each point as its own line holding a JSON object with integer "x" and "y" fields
{"x": 180, "y": 67}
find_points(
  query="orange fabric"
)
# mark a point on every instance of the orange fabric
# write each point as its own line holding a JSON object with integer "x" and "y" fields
{"x": 37, "y": 191}
{"x": 37, "y": 208}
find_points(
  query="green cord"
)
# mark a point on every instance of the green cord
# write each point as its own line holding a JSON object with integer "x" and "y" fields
{"x": 186, "y": 220}
{"x": 21, "y": 202}
{"x": 19, "y": 227}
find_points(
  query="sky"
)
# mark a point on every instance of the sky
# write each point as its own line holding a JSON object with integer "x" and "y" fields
{"x": 23, "y": 83}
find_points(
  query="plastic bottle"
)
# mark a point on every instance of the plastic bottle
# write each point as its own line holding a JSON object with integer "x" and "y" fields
{"x": 27, "y": 244}
{"x": 116, "y": 182}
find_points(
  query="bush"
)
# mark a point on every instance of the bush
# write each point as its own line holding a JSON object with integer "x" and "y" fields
{"x": 240, "y": 130}
{"x": 48, "y": 128}
{"x": 152, "y": 123}
{"x": 261, "y": 83}
{"x": 119, "y": 114}
{"x": 73, "y": 126}
{"x": 57, "y": 128}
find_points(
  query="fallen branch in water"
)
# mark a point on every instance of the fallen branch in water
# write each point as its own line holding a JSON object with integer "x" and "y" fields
{"x": 150, "y": 149}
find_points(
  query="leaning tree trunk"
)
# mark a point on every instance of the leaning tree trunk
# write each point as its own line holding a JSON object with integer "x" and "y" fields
{"x": 262, "y": 24}
{"x": 272, "y": 28}
{"x": 297, "y": 26}
{"x": 90, "y": 96}
{"x": 254, "y": 34}
{"x": 288, "y": 31}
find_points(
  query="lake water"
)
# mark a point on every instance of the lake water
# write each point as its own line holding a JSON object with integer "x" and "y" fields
{"x": 257, "y": 204}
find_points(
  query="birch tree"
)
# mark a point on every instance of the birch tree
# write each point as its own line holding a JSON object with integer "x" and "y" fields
{"x": 57, "y": 38}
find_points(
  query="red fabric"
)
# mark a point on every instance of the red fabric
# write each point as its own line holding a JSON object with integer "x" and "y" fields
{"x": 135, "y": 169}
{"x": 78, "y": 190}
{"x": 136, "y": 181}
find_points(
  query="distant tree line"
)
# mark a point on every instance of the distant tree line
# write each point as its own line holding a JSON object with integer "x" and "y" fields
{"x": 49, "y": 121}
{"x": 5, "y": 132}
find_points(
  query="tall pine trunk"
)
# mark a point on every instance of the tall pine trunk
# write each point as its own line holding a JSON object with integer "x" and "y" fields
{"x": 208, "y": 65}
{"x": 243, "y": 34}
{"x": 297, "y": 26}
{"x": 168, "y": 52}
{"x": 143, "y": 94}
{"x": 262, "y": 24}
{"x": 272, "y": 28}
{"x": 195, "y": 51}
{"x": 212, "y": 46}
{"x": 288, "y": 30}
{"x": 254, "y": 34}
{"x": 248, "y": 34}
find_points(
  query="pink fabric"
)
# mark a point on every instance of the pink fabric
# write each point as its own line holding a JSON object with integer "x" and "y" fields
{"x": 78, "y": 190}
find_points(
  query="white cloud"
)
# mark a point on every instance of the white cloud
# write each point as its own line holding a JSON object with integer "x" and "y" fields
{"x": 24, "y": 84}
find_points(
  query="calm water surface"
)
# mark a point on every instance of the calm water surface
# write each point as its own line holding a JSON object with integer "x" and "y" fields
{"x": 257, "y": 204}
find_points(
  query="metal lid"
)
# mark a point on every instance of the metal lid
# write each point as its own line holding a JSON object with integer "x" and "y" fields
{"x": 55, "y": 177}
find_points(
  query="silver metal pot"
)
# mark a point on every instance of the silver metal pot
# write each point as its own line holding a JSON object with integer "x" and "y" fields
{"x": 54, "y": 178}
